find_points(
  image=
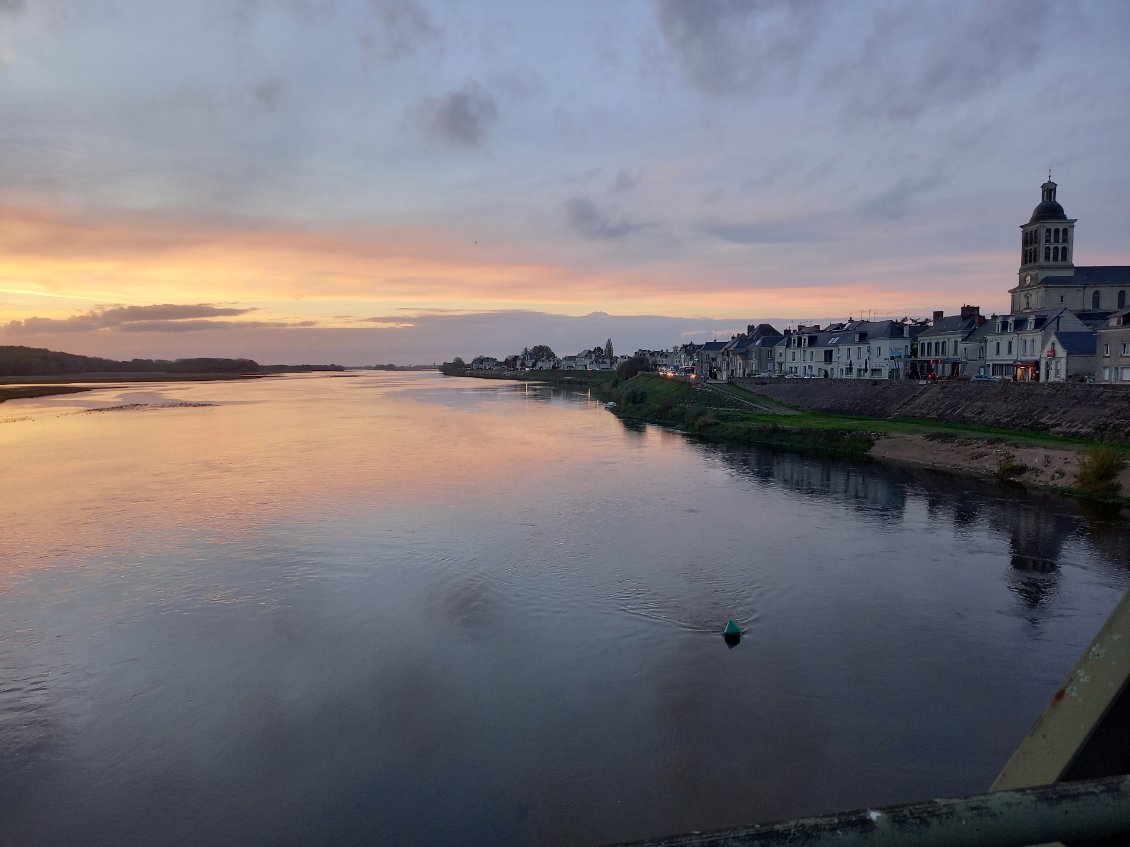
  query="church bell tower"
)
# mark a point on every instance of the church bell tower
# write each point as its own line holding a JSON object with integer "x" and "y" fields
{"x": 1047, "y": 244}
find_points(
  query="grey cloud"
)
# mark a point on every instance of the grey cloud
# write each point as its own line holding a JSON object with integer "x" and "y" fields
{"x": 894, "y": 203}
{"x": 121, "y": 318}
{"x": 589, "y": 220}
{"x": 817, "y": 228}
{"x": 913, "y": 62}
{"x": 403, "y": 27}
{"x": 460, "y": 117}
{"x": 625, "y": 181}
{"x": 724, "y": 46}
{"x": 268, "y": 92}
{"x": 12, "y": 6}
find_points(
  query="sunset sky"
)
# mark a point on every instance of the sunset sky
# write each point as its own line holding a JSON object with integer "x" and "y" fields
{"x": 366, "y": 181}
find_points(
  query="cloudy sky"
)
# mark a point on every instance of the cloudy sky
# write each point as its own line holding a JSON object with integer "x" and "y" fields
{"x": 366, "y": 181}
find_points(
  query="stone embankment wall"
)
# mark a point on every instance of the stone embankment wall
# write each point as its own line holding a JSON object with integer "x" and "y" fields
{"x": 1073, "y": 409}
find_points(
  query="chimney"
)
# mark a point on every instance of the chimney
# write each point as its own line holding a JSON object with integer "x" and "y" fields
{"x": 968, "y": 312}
{"x": 981, "y": 319}
{"x": 938, "y": 317}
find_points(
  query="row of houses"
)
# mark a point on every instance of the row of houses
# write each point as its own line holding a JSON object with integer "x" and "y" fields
{"x": 1047, "y": 346}
{"x": 1053, "y": 345}
{"x": 596, "y": 359}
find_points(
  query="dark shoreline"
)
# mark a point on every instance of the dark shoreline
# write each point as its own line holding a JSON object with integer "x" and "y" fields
{"x": 25, "y": 387}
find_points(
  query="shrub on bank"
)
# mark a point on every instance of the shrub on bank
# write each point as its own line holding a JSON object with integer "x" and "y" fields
{"x": 1099, "y": 470}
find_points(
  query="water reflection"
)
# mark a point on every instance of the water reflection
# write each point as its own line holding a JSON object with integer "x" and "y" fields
{"x": 399, "y": 608}
{"x": 1037, "y": 526}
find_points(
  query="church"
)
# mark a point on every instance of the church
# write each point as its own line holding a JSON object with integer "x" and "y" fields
{"x": 1049, "y": 278}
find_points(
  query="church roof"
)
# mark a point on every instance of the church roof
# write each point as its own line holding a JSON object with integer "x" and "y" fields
{"x": 1049, "y": 210}
{"x": 1093, "y": 275}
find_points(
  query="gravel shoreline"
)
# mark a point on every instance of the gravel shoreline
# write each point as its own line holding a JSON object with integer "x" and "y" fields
{"x": 1046, "y": 466}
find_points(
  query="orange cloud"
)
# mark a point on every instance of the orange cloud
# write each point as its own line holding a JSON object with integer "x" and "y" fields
{"x": 337, "y": 276}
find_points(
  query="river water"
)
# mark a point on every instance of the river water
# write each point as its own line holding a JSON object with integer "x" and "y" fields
{"x": 398, "y": 608}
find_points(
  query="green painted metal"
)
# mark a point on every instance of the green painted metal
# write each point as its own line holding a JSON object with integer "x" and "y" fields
{"x": 1065, "y": 811}
{"x": 1058, "y": 747}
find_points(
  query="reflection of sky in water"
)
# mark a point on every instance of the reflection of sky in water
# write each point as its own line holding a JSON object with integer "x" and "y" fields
{"x": 396, "y": 607}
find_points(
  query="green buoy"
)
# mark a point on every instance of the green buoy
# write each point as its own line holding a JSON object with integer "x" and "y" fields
{"x": 732, "y": 633}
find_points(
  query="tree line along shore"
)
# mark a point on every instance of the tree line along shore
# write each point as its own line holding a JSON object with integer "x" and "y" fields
{"x": 36, "y": 372}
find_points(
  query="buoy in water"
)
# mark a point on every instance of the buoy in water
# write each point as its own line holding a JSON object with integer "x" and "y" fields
{"x": 732, "y": 633}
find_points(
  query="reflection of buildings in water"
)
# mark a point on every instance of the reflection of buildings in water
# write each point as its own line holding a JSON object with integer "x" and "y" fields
{"x": 864, "y": 487}
{"x": 1037, "y": 534}
{"x": 966, "y": 512}
{"x": 1036, "y": 543}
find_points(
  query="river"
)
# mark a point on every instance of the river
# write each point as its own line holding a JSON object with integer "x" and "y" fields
{"x": 398, "y": 608}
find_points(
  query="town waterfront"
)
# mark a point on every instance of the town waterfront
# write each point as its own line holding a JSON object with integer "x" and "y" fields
{"x": 402, "y": 608}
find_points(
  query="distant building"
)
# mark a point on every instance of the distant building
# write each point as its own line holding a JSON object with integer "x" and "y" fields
{"x": 1113, "y": 350}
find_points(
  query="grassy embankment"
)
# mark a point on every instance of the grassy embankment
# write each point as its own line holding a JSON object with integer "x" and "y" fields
{"x": 727, "y": 413}
{"x": 722, "y": 414}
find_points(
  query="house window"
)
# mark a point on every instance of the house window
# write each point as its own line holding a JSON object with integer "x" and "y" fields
{"x": 1055, "y": 235}
{"x": 1009, "y": 348}
{"x": 1063, "y": 255}
{"x": 1047, "y": 236}
{"x": 1095, "y": 300}
{"x": 1055, "y": 254}
{"x": 1106, "y": 374}
{"x": 1122, "y": 299}
{"x": 1125, "y": 348}
{"x": 1027, "y": 301}
{"x": 1047, "y": 253}
{"x": 998, "y": 348}
{"x": 1106, "y": 349}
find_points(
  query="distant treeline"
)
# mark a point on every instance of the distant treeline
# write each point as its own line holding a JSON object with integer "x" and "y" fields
{"x": 36, "y": 361}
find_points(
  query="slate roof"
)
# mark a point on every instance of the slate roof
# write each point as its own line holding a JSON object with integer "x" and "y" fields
{"x": 1092, "y": 317}
{"x": 769, "y": 340}
{"x": 1092, "y": 275}
{"x": 1078, "y": 343}
{"x": 766, "y": 330}
{"x": 951, "y": 324}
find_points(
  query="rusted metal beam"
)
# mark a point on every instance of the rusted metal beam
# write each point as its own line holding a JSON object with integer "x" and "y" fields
{"x": 1065, "y": 811}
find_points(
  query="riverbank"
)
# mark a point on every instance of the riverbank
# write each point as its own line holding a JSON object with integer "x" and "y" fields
{"x": 742, "y": 415}
{"x": 24, "y": 387}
